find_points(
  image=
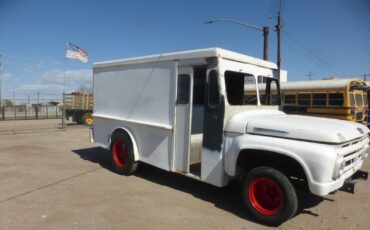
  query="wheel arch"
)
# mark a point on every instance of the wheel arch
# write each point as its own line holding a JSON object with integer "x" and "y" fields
{"x": 133, "y": 140}
{"x": 249, "y": 158}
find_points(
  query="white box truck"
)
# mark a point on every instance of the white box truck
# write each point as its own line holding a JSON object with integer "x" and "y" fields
{"x": 186, "y": 112}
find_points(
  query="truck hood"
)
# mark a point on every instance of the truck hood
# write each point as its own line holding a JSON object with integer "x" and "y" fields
{"x": 307, "y": 128}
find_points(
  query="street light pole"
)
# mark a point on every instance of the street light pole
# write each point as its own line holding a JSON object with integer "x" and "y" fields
{"x": 265, "y": 31}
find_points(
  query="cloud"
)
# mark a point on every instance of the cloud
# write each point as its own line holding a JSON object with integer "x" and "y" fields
{"x": 56, "y": 62}
{"x": 49, "y": 88}
{"x": 51, "y": 82}
{"x": 33, "y": 68}
{"x": 73, "y": 77}
{"x": 7, "y": 77}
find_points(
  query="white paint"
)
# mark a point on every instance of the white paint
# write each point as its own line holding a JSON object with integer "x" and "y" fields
{"x": 276, "y": 123}
{"x": 138, "y": 95}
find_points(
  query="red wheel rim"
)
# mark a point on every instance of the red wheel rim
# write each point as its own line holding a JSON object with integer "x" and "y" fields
{"x": 120, "y": 153}
{"x": 266, "y": 196}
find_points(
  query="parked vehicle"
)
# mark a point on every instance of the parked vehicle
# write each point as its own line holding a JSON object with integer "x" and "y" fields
{"x": 185, "y": 112}
{"x": 344, "y": 99}
{"x": 368, "y": 100}
{"x": 79, "y": 106}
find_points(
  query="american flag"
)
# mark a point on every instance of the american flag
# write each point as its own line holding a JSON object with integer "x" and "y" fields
{"x": 75, "y": 52}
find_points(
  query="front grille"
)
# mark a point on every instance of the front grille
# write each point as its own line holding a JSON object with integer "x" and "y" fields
{"x": 353, "y": 142}
{"x": 353, "y": 151}
{"x": 352, "y": 157}
{"x": 359, "y": 116}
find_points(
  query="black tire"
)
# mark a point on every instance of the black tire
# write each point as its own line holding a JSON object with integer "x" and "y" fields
{"x": 85, "y": 120}
{"x": 269, "y": 196}
{"x": 122, "y": 154}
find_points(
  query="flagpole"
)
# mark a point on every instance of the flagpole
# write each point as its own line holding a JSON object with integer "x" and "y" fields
{"x": 64, "y": 90}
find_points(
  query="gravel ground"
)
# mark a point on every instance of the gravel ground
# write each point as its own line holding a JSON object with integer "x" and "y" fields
{"x": 58, "y": 180}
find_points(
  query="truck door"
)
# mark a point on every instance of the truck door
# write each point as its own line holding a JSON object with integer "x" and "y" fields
{"x": 212, "y": 170}
{"x": 183, "y": 119}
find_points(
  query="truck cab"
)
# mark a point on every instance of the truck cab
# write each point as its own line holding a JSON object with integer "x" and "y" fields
{"x": 186, "y": 112}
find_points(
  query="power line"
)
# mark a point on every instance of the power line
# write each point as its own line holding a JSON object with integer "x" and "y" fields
{"x": 310, "y": 75}
{"x": 365, "y": 76}
{"x": 322, "y": 61}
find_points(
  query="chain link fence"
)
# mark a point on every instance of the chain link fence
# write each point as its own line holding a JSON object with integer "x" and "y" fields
{"x": 26, "y": 114}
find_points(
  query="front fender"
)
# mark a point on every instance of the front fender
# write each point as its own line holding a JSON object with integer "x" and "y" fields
{"x": 317, "y": 160}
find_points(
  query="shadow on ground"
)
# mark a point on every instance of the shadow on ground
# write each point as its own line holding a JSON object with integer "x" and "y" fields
{"x": 227, "y": 198}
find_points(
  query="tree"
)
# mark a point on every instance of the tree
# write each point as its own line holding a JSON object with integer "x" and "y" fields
{"x": 8, "y": 103}
{"x": 53, "y": 103}
{"x": 85, "y": 89}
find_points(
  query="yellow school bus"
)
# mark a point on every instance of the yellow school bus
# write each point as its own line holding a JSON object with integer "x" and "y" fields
{"x": 344, "y": 99}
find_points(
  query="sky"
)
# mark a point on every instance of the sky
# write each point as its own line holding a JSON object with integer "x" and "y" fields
{"x": 328, "y": 38}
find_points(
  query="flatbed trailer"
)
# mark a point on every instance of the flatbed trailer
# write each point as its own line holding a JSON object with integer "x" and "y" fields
{"x": 79, "y": 107}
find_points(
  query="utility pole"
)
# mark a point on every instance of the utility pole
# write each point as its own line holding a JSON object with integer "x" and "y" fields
{"x": 265, "y": 31}
{"x": 310, "y": 75}
{"x": 365, "y": 76}
{"x": 277, "y": 28}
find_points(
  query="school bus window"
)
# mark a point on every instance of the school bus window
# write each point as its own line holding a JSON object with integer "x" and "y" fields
{"x": 275, "y": 99}
{"x": 336, "y": 99}
{"x": 263, "y": 99}
{"x": 319, "y": 99}
{"x": 304, "y": 99}
{"x": 268, "y": 86}
{"x": 290, "y": 99}
{"x": 250, "y": 99}
{"x": 358, "y": 98}
{"x": 261, "y": 79}
{"x": 352, "y": 99}
{"x": 365, "y": 100}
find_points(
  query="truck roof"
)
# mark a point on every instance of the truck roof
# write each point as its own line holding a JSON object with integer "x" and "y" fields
{"x": 190, "y": 54}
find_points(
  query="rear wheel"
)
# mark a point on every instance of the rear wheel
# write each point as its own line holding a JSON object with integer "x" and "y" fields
{"x": 122, "y": 154}
{"x": 269, "y": 196}
{"x": 87, "y": 119}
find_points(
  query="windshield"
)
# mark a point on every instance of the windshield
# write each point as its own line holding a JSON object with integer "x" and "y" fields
{"x": 241, "y": 89}
{"x": 358, "y": 98}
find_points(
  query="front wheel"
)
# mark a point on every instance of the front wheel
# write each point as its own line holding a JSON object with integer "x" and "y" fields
{"x": 269, "y": 196}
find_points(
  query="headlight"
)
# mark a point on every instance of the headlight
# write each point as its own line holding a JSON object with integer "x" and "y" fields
{"x": 340, "y": 164}
{"x": 365, "y": 153}
{"x": 341, "y": 169}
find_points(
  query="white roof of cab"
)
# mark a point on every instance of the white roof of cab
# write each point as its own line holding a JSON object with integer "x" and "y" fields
{"x": 190, "y": 54}
{"x": 317, "y": 84}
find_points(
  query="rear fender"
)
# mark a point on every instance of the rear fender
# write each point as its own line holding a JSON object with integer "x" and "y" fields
{"x": 134, "y": 143}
